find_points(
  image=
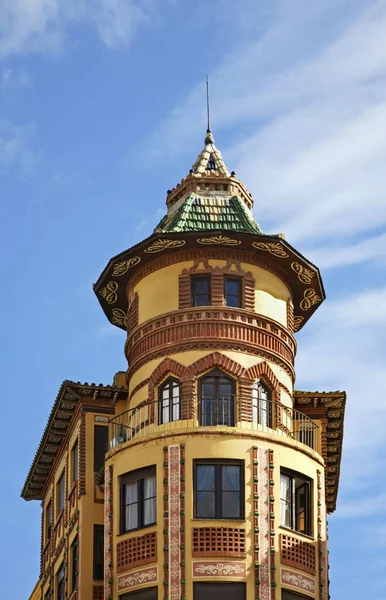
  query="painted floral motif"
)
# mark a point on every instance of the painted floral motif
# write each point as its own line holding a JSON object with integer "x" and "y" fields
{"x": 274, "y": 248}
{"x": 264, "y": 525}
{"x": 297, "y": 580}
{"x": 108, "y": 292}
{"x": 120, "y": 268}
{"x": 164, "y": 244}
{"x": 304, "y": 275}
{"x": 108, "y": 587}
{"x": 138, "y": 578}
{"x": 174, "y": 523}
{"x": 219, "y": 239}
{"x": 298, "y": 322}
{"x": 310, "y": 298}
{"x": 119, "y": 317}
{"x": 220, "y": 569}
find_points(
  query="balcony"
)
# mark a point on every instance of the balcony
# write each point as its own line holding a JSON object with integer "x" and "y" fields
{"x": 212, "y": 413}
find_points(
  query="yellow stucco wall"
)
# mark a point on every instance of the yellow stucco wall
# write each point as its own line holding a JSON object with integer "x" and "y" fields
{"x": 158, "y": 292}
{"x": 287, "y": 454}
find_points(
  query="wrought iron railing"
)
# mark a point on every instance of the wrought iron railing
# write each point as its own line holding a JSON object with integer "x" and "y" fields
{"x": 212, "y": 411}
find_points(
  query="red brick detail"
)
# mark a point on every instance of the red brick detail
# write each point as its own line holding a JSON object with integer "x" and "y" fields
{"x": 256, "y": 531}
{"x": 166, "y": 518}
{"x": 245, "y": 399}
{"x": 290, "y": 316}
{"x": 217, "y": 282}
{"x": 133, "y": 312}
{"x": 263, "y": 371}
{"x": 167, "y": 367}
{"x": 249, "y": 292}
{"x": 136, "y": 551}
{"x": 97, "y": 592}
{"x": 297, "y": 553}
{"x": 82, "y": 456}
{"x": 218, "y": 541}
{"x": 272, "y": 523}
{"x": 216, "y": 360}
{"x": 184, "y": 290}
{"x": 182, "y": 522}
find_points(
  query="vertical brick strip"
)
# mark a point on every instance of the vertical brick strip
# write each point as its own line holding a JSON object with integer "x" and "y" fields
{"x": 133, "y": 313}
{"x": 108, "y": 524}
{"x": 245, "y": 400}
{"x": 66, "y": 488}
{"x": 249, "y": 292}
{"x": 322, "y": 539}
{"x": 42, "y": 539}
{"x": 264, "y": 524}
{"x": 256, "y": 533}
{"x": 272, "y": 523}
{"x": 174, "y": 509}
{"x": 217, "y": 287}
{"x": 184, "y": 291}
{"x": 166, "y": 521}
{"x": 182, "y": 522}
{"x": 290, "y": 316}
{"x": 187, "y": 399}
{"x": 82, "y": 456}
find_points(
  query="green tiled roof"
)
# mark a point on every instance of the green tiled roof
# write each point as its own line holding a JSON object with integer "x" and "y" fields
{"x": 199, "y": 213}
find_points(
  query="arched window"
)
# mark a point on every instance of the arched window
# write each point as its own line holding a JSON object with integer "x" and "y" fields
{"x": 169, "y": 401}
{"x": 216, "y": 399}
{"x": 261, "y": 405}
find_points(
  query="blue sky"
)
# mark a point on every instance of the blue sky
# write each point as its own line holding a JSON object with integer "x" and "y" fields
{"x": 102, "y": 109}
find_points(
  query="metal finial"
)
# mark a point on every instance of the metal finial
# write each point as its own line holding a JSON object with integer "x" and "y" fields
{"x": 207, "y": 102}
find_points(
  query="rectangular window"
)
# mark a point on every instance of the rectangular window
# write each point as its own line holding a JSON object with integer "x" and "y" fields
{"x": 74, "y": 563}
{"x": 295, "y": 502}
{"x": 219, "y": 490}
{"x": 75, "y": 461}
{"x": 225, "y": 591}
{"x": 138, "y": 499}
{"x": 60, "y": 494}
{"x": 232, "y": 292}
{"x": 48, "y": 520}
{"x": 100, "y": 446}
{"x": 147, "y": 594}
{"x": 98, "y": 552}
{"x": 201, "y": 295}
{"x": 60, "y": 583}
{"x": 289, "y": 595}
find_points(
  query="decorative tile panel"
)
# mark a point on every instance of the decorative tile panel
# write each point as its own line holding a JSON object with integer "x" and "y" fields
{"x": 135, "y": 551}
{"x": 322, "y": 538}
{"x": 108, "y": 528}
{"x": 263, "y": 488}
{"x": 298, "y": 581}
{"x": 220, "y": 569}
{"x": 297, "y": 553}
{"x": 174, "y": 506}
{"x": 139, "y": 577}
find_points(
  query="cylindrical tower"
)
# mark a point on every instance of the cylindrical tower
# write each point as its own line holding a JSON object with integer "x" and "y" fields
{"x": 214, "y": 480}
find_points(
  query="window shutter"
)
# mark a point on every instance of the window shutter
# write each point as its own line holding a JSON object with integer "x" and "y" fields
{"x": 184, "y": 291}
{"x": 217, "y": 287}
{"x": 249, "y": 292}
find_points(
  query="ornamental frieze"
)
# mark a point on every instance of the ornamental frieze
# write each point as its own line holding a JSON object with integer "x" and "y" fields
{"x": 119, "y": 317}
{"x": 274, "y": 248}
{"x": 108, "y": 292}
{"x": 164, "y": 244}
{"x": 304, "y": 275}
{"x": 140, "y": 577}
{"x": 219, "y": 239}
{"x": 310, "y": 297}
{"x": 296, "y": 580}
{"x": 120, "y": 268}
{"x": 219, "y": 569}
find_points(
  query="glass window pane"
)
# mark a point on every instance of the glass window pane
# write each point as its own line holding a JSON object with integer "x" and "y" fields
{"x": 149, "y": 487}
{"x": 231, "y": 505}
{"x": 149, "y": 511}
{"x": 205, "y": 477}
{"x": 131, "y": 492}
{"x": 201, "y": 286}
{"x": 205, "y": 507}
{"x": 285, "y": 487}
{"x": 285, "y": 513}
{"x": 131, "y": 516}
{"x": 231, "y": 478}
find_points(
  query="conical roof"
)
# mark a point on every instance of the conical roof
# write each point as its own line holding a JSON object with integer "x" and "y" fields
{"x": 209, "y": 198}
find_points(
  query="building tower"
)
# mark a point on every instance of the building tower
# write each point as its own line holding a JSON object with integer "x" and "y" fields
{"x": 218, "y": 476}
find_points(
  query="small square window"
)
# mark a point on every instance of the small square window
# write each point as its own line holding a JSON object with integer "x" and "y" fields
{"x": 201, "y": 292}
{"x": 295, "y": 502}
{"x": 219, "y": 490}
{"x": 232, "y": 292}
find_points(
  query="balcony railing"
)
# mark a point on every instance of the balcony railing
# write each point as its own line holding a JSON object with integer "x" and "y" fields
{"x": 212, "y": 411}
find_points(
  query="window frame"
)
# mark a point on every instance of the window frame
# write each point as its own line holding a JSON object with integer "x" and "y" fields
{"x": 142, "y": 594}
{"x": 216, "y": 374}
{"x": 239, "y": 281}
{"x": 169, "y": 383}
{"x": 74, "y": 563}
{"x": 215, "y": 587}
{"x": 98, "y": 532}
{"x": 193, "y": 294}
{"x": 48, "y": 518}
{"x": 218, "y": 493}
{"x": 60, "y": 583}
{"x": 294, "y": 512}
{"x": 286, "y": 595}
{"x": 97, "y": 451}
{"x": 138, "y": 476}
{"x": 75, "y": 461}
{"x": 261, "y": 401}
{"x": 60, "y": 494}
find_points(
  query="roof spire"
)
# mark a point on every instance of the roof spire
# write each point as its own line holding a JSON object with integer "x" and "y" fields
{"x": 209, "y": 137}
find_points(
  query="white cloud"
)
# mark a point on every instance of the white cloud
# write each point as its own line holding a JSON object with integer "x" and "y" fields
{"x": 338, "y": 255}
{"x": 40, "y": 25}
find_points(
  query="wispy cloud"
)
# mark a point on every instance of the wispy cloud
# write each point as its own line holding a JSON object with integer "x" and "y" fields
{"x": 17, "y": 146}
{"x": 41, "y": 26}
